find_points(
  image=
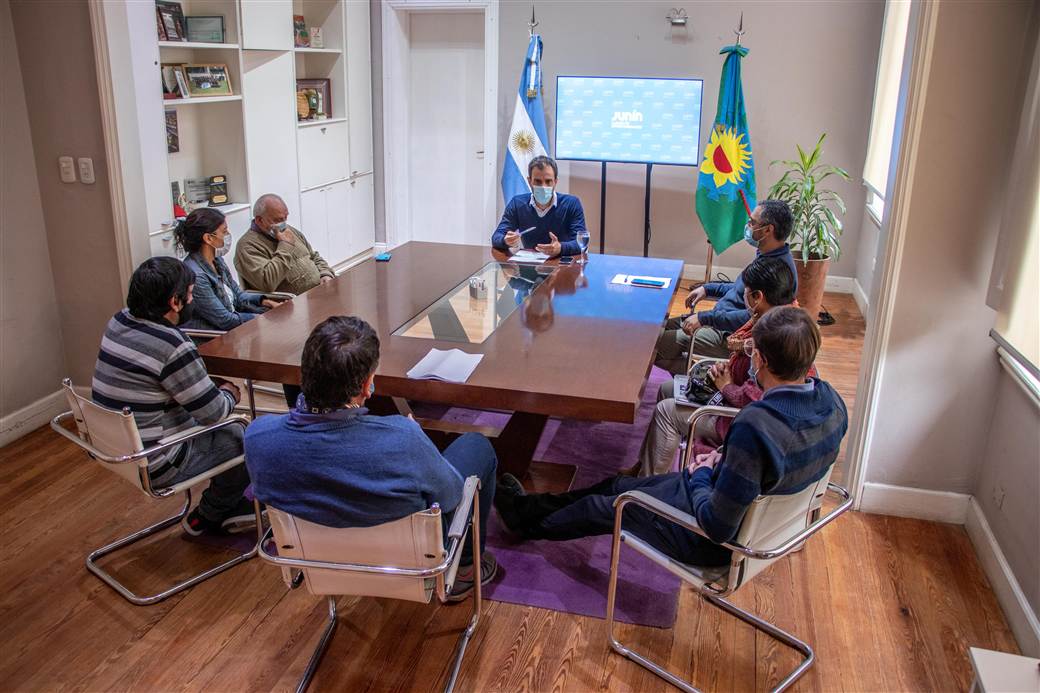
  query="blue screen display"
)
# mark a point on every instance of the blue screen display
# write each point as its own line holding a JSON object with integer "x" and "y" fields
{"x": 625, "y": 119}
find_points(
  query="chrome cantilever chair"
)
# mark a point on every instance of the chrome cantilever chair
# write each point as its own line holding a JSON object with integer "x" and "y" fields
{"x": 773, "y": 527}
{"x": 111, "y": 438}
{"x": 403, "y": 559}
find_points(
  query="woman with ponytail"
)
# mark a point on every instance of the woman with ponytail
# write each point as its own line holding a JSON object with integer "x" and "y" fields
{"x": 219, "y": 302}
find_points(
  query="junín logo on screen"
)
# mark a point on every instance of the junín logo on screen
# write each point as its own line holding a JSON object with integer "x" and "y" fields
{"x": 627, "y": 120}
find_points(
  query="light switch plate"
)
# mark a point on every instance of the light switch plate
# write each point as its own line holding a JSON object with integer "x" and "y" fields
{"x": 86, "y": 170}
{"x": 67, "y": 169}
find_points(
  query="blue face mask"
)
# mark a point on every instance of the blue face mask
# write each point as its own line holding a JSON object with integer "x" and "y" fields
{"x": 749, "y": 235}
{"x": 542, "y": 194}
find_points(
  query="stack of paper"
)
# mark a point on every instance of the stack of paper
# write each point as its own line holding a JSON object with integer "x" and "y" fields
{"x": 529, "y": 256}
{"x": 453, "y": 366}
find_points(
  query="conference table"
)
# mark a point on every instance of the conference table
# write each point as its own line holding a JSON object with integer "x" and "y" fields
{"x": 558, "y": 340}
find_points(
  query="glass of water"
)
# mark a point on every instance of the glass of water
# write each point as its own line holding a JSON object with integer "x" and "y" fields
{"x": 583, "y": 238}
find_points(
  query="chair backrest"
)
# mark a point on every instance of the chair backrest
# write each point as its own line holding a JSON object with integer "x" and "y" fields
{"x": 112, "y": 432}
{"x": 772, "y": 520}
{"x": 415, "y": 541}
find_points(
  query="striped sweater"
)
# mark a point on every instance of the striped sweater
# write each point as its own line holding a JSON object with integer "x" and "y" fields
{"x": 155, "y": 371}
{"x": 778, "y": 445}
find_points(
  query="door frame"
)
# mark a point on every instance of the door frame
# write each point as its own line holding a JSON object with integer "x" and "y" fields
{"x": 397, "y": 107}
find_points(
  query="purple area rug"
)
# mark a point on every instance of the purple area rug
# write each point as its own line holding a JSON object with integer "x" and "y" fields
{"x": 572, "y": 576}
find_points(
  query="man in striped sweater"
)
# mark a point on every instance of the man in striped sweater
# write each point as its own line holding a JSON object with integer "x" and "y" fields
{"x": 148, "y": 365}
{"x": 778, "y": 445}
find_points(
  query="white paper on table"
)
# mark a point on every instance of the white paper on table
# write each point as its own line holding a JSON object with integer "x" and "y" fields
{"x": 626, "y": 280}
{"x": 453, "y": 366}
{"x": 529, "y": 256}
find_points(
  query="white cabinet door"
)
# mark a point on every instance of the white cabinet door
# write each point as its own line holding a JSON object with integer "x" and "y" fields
{"x": 359, "y": 87}
{"x": 361, "y": 214}
{"x": 336, "y": 206}
{"x": 238, "y": 223}
{"x": 267, "y": 25}
{"x": 315, "y": 220}
{"x": 323, "y": 154}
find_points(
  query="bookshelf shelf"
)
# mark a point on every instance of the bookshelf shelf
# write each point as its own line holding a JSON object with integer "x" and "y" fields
{"x": 196, "y": 44}
{"x": 314, "y": 123}
{"x": 329, "y": 51}
{"x": 195, "y": 100}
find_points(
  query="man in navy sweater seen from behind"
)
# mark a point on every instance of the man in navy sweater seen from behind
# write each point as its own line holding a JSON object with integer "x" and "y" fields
{"x": 330, "y": 462}
{"x": 545, "y": 220}
{"x": 705, "y": 331}
{"x": 776, "y": 446}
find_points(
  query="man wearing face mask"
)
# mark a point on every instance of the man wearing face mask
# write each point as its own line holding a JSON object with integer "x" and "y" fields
{"x": 330, "y": 462}
{"x": 546, "y": 220}
{"x": 218, "y": 301}
{"x": 705, "y": 332}
{"x": 149, "y": 366}
{"x": 768, "y": 282}
{"x": 273, "y": 256}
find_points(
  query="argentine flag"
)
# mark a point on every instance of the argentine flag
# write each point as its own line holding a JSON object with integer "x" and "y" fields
{"x": 527, "y": 138}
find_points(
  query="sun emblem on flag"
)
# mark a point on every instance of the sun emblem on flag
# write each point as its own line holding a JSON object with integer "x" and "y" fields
{"x": 727, "y": 157}
{"x": 523, "y": 141}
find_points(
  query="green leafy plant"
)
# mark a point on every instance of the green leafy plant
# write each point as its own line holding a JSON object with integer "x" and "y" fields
{"x": 816, "y": 224}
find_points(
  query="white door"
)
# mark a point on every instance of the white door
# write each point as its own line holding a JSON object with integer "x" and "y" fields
{"x": 446, "y": 127}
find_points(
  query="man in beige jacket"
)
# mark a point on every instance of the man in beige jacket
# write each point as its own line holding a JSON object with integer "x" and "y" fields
{"x": 273, "y": 256}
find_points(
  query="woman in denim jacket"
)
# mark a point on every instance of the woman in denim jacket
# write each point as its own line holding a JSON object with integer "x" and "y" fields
{"x": 219, "y": 302}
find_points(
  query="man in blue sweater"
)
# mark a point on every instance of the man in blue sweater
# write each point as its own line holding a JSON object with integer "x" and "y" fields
{"x": 330, "y": 462}
{"x": 705, "y": 332}
{"x": 545, "y": 220}
{"x": 778, "y": 445}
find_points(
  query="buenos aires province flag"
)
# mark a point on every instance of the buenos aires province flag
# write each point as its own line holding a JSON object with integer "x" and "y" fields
{"x": 527, "y": 138}
{"x": 728, "y": 168}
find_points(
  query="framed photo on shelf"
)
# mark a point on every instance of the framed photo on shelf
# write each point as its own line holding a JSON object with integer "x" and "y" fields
{"x": 159, "y": 25}
{"x": 301, "y": 39}
{"x": 171, "y": 17}
{"x": 173, "y": 83}
{"x": 317, "y": 37}
{"x": 173, "y": 140}
{"x": 209, "y": 29}
{"x": 313, "y": 99}
{"x": 208, "y": 80}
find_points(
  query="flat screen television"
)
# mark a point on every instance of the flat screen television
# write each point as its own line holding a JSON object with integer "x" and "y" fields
{"x": 638, "y": 120}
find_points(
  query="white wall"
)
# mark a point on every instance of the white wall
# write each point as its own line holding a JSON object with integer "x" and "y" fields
{"x": 31, "y": 358}
{"x": 811, "y": 70}
{"x": 938, "y": 383}
{"x": 61, "y": 93}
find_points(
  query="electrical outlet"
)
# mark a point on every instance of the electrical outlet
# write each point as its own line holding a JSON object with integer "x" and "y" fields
{"x": 66, "y": 169}
{"x": 86, "y": 170}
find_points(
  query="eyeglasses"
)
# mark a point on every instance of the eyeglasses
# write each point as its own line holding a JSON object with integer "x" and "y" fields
{"x": 749, "y": 347}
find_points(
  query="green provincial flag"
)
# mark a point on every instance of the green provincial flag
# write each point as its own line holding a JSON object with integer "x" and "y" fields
{"x": 727, "y": 168}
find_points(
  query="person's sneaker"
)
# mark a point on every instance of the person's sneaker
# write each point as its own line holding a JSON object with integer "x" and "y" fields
{"x": 242, "y": 517}
{"x": 464, "y": 578}
{"x": 507, "y": 491}
{"x": 194, "y": 524}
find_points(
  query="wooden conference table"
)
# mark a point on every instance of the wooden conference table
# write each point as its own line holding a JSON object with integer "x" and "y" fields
{"x": 573, "y": 346}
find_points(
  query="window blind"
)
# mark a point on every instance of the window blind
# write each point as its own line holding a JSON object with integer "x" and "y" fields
{"x": 886, "y": 95}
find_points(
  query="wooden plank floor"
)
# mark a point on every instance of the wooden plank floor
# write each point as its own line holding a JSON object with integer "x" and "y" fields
{"x": 889, "y": 604}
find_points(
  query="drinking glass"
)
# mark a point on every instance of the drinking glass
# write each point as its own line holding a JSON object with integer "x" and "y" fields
{"x": 583, "y": 238}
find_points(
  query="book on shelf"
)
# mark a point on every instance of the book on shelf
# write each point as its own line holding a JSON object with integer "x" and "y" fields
{"x": 301, "y": 39}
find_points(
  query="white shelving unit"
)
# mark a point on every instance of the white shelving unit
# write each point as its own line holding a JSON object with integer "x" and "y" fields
{"x": 322, "y": 168}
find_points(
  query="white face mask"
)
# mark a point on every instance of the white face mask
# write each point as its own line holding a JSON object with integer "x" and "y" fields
{"x": 226, "y": 248}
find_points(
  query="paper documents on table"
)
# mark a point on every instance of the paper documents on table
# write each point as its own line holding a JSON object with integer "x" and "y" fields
{"x": 529, "y": 256}
{"x": 453, "y": 366}
{"x": 638, "y": 280}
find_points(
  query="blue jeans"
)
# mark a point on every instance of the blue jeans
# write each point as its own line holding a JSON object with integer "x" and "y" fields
{"x": 225, "y": 489}
{"x": 471, "y": 454}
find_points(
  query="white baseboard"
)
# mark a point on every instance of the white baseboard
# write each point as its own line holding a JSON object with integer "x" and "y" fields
{"x": 1020, "y": 615}
{"x": 29, "y": 418}
{"x": 861, "y": 297}
{"x": 923, "y": 504}
{"x": 842, "y": 285}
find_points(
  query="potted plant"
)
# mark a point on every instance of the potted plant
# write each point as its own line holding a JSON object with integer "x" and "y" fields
{"x": 817, "y": 226}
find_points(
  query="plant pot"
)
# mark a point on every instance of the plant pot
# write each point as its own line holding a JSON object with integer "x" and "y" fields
{"x": 812, "y": 278}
